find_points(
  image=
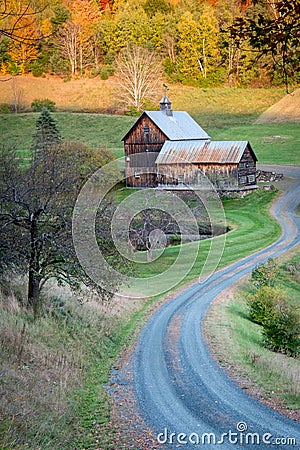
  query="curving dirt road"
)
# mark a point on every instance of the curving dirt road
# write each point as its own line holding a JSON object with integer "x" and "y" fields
{"x": 183, "y": 395}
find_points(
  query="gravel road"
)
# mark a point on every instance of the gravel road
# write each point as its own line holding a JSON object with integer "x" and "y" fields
{"x": 183, "y": 395}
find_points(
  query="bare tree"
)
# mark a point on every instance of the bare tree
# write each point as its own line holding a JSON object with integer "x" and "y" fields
{"x": 69, "y": 44}
{"x": 139, "y": 73}
{"x": 36, "y": 204}
{"x": 17, "y": 94}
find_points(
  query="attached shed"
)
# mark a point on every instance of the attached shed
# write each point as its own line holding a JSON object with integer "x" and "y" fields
{"x": 228, "y": 164}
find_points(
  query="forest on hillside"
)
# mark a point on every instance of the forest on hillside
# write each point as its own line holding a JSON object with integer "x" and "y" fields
{"x": 196, "y": 42}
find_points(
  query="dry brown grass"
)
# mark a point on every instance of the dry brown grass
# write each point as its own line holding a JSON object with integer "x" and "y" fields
{"x": 44, "y": 363}
{"x": 96, "y": 95}
{"x": 285, "y": 110}
{"x": 75, "y": 95}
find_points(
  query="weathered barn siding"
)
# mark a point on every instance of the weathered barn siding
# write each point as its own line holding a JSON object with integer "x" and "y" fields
{"x": 144, "y": 136}
{"x": 141, "y": 146}
{"x": 141, "y": 177}
{"x": 227, "y": 164}
{"x": 195, "y": 175}
{"x": 247, "y": 168}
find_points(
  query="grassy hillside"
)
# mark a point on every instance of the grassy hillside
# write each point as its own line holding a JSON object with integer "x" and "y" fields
{"x": 96, "y": 95}
{"x": 224, "y": 113}
{"x": 273, "y": 143}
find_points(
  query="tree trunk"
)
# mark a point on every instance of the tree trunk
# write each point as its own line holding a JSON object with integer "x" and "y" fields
{"x": 33, "y": 292}
{"x": 34, "y": 278}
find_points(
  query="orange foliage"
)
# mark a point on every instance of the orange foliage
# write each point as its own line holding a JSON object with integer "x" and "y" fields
{"x": 24, "y": 49}
{"x": 104, "y": 4}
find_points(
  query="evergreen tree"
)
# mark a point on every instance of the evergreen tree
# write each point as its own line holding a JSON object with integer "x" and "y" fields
{"x": 47, "y": 132}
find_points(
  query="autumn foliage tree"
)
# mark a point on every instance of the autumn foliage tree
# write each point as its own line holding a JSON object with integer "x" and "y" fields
{"x": 272, "y": 28}
{"x": 24, "y": 50}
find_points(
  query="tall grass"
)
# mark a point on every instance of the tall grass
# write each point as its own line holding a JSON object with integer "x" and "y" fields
{"x": 53, "y": 370}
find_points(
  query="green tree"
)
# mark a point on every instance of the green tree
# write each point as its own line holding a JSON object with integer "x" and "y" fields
{"x": 153, "y": 6}
{"x": 133, "y": 25}
{"x": 281, "y": 332}
{"x": 264, "y": 302}
{"x": 47, "y": 132}
{"x": 273, "y": 29}
{"x": 198, "y": 43}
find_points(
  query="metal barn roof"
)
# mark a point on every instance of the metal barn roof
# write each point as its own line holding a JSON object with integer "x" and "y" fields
{"x": 178, "y": 126}
{"x": 192, "y": 151}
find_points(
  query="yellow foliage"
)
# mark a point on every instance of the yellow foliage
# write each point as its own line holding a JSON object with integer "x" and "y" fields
{"x": 24, "y": 49}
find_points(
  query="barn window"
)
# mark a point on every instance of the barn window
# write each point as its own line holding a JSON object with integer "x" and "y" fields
{"x": 243, "y": 180}
{"x": 146, "y": 130}
{"x": 251, "y": 178}
{"x": 242, "y": 165}
{"x": 137, "y": 175}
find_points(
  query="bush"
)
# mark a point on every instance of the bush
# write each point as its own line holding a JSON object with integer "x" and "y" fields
{"x": 105, "y": 72}
{"x": 264, "y": 303}
{"x": 281, "y": 331}
{"x": 265, "y": 274}
{"x": 5, "y": 108}
{"x": 37, "y": 69}
{"x": 40, "y": 103}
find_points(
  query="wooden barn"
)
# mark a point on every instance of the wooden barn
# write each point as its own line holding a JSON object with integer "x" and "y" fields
{"x": 169, "y": 149}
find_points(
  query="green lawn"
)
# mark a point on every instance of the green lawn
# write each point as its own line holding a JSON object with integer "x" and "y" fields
{"x": 95, "y": 130}
{"x": 247, "y": 217}
{"x": 273, "y": 144}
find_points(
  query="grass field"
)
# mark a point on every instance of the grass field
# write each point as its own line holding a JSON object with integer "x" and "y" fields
{"x": 237, "y": 342}
{"x": 224, "y": 113}
{"x": 273, "y": 143}
{"x": 246, "y": 217}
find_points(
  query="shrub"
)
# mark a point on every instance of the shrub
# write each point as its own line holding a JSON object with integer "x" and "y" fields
{"x": 264, "y": 303}
{"x": 105, "y": 72}
{"x": 265, "y": 274}
{"x": 37, "y": 69}
{"x": 281, "y": 331}
{"x": 40, "y": 103}
{"x": 5, "y": 108}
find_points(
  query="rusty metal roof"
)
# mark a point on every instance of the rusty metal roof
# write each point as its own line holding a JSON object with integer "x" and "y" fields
{"x": 192, "y": 151}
